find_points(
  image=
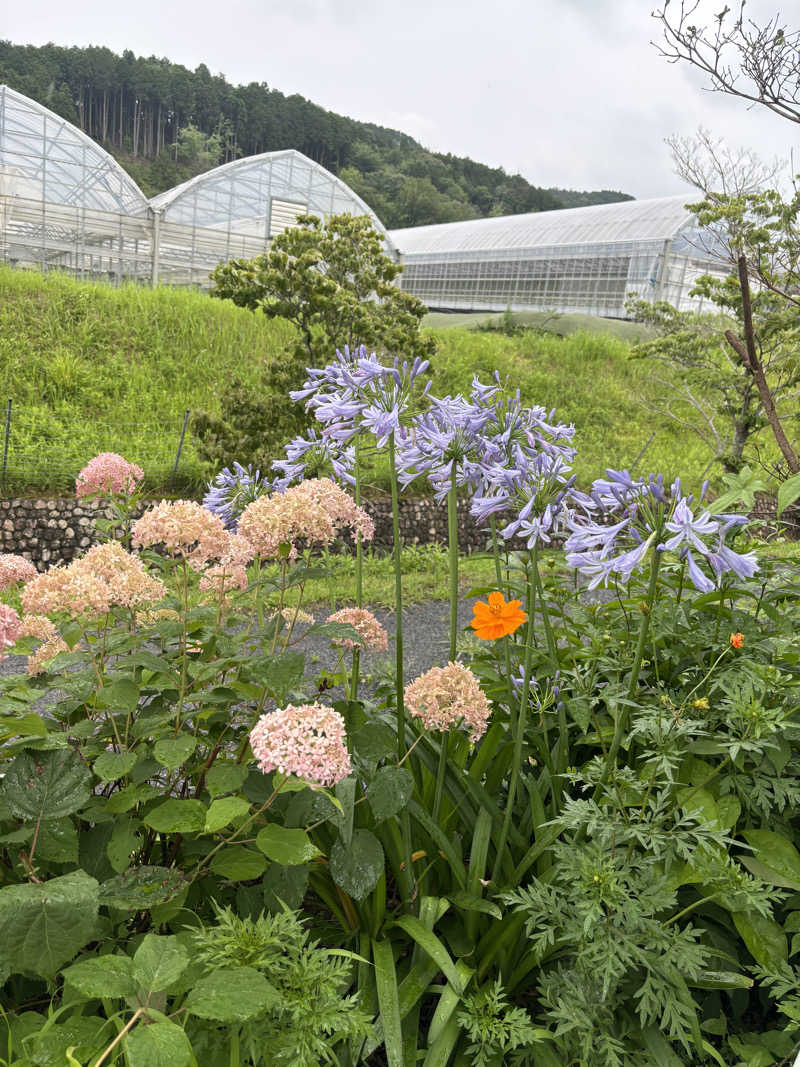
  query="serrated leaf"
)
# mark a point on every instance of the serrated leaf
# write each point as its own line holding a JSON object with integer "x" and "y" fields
{"x": 125, "y": 840}
{"x": 42, "y": 926}
{"x": 124, "y": 694}
{"x": 58, "y": 840}
{"x": 174, "y": 751}
{"x": 280, "y": 674}
{"x": 357, "y": 869}
{"x": 238, "y": 863}
{"x": 777, "y": 855}
{"x": 284, "y": 887}
{"x": 46, "y": 785}
{"x": 223, "y": 811}
{"x": 225, "y": 778}
{"x": 176, "y": 816}
{"x": 159, "y": 962}
{"x": 109, "y": 766}
{"x": 231, "y": 995}
{"x": 289, "y": 847}
{"x": 389, "y": 791}
{"x": 131, "y": 795}
{"x": 102, "y": 976}
{"x": 159, "y": 1044}
{"x": 141, "y": 887}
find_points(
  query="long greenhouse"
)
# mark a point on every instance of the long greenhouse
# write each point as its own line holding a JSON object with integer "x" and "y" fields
{"x": 66, "y": 204}
{"x": 586, "y": 259}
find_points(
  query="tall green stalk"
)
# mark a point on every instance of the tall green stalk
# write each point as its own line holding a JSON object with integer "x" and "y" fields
{"x": 522, "y": 715}
{"x": 359, "y": 575}
{"x": 506, "y": 642}
{"x": 452, "y": 545}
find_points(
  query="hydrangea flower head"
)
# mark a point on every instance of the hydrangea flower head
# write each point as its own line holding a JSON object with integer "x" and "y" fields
{"x": 41, "y": 628}
{"x": 372, "y": 635}
{"x": 15, "y": 570}
{"x": 307, "y": 740}
{"x": 108, "y": 474}
{"x": 9, "y": 628}
{"x": 444, "y": 697}
{"x": 183, "y": 529}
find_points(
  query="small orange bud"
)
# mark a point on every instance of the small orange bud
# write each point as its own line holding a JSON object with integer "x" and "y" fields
{"x": 737, "y": 640}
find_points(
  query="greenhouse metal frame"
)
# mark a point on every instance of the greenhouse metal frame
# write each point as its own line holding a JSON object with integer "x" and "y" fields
{"x": 587, "y": 259}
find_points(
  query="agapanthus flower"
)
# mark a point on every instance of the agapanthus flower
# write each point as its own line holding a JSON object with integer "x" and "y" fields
{"x": 497, "y": 618}
{"x": 307, "y": 740}
{"x": 313, "y": 456}
{"x": 182, "y": 529}
{"x": 444, "y": 697}
{"x": 634, "y": 516}
{"x": 9, "y": 628}
{"x": 232, "y": 490}
{"x": 15, "y": 570}
{"x": 108, "y": 473}
{"x": 315, "y": 512}
{"x": 107, "y": 576}
{"x": 356, "y": 391}
{"x": 371, "y": 634}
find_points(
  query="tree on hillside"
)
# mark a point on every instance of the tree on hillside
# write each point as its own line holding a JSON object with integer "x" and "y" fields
{"x": 335, "y": 284}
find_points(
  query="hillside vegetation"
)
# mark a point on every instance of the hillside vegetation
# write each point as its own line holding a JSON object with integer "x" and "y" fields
{"x": 92, "y": 368}
{"x": 166, "y": 123}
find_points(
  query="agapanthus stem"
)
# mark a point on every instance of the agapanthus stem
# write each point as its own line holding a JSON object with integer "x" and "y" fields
{"x": 519, "y": 733}
{"x": 359, "y": 571}
{"x": 452, "y": 545}
{"x": 506, "y": 641}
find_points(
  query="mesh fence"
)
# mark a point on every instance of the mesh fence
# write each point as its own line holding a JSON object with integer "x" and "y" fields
{"x": 37, "y": 455}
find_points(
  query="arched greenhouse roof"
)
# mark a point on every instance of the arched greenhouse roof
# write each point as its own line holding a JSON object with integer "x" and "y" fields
{"x": 45, "y": 158}
{"x": 630, "y": 220}
{"x": 261, "y": 195}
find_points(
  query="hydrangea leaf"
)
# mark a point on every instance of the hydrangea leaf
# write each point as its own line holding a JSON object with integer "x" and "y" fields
{"x": 58, "y": 840}
{"x": 103, "y": 976}
{"x": 109, "y": 766}
{"x": 239, "y": 864}
{"x": 161, "y": 1044}
{"x": 289, "y": 847}
{"x": 225, "y": 778}
{"x": 43, "y": 925}
{"x": 389, "y": 791}
{"x": 223, "y": 811}
{"x": 232, "y": 995}
{"x": 46, "y": 785}
{"x": 141, "y": 887}
{"x": 176, "y": 816}
{"x": 357, "y": 869}
{"x": 125, "y": 839}
{"x": 173, "y": 751}
{"x": 159, "y": 962}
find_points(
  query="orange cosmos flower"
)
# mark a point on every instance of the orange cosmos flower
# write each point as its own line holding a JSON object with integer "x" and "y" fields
{"x": 497, "y": 618}
{"x": 737, "y": 640}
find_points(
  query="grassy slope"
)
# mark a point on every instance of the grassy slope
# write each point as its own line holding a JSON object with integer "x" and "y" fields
{"x": 93, "y": 368}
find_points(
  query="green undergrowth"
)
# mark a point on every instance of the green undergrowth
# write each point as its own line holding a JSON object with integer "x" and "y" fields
{"x": 91, "y": 368}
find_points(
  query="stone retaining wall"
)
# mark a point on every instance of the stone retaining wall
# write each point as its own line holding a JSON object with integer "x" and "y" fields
{"x": 56, "y": 530}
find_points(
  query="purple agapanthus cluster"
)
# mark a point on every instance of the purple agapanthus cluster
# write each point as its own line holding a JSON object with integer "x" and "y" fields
{"x": 358, "y": 392}
{"x": 623, "y": 518}
{"x": 232, "y": 490}
{"x": 313, "y": 456}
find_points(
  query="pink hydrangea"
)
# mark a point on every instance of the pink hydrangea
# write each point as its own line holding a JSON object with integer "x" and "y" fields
{"x": 9, "y": 628}
{"x": 307, "y": 740}
{"x": 314, "y": 512}
{"x": 370, "y": 630}
{"x": 15, "y": 570}
{"x": 443, "y": 697}
{"x": 106, "y": 474}
{"x": 40, "y": 627}
{"x": 184, "y": 529}
{"x": 107, "y": 576}
{"x": 223, "y": 578}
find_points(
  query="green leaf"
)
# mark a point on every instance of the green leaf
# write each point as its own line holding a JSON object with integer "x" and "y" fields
{"x": 284, "y": 886}
{"x": 777, "y": 858}
{"x": 141, "y": 887}
{"x": 722, "y": 980}
{"x": 58, "y": 840}
{"x": 102, "y": 976}
{"x": 125, "y": 840}
{"x": 124, "y": 695}
{"x": 280, "y": 674}
{"x": 468, "y": 902}
{"x": 159, "y": 1044}
{"x": 159, "y": 962}
{"x": 289, "y": 847}
{"x": 131, "y": 795}
{"x": 176, "y": 816}
{"x": 232, "y": 995}
{"x": 357, "y": 869}
{"x": 765, "y": 940}
{"x": 225, "y": 778}
{"x": 374, "y": 741}
{"x": 788, "y": 492}
{"x": 42, "y": 926}
{"x": 109, "y": 766}
{"x": 172, "y": 752}
{"x": 224, "y": 811}
{"x": 388, "y": 1002}
{"x": 389, "y": 791}
{"x": 430, "y": 943}
{"x": 239, "y": 864}
{"x": 46, "y": 785}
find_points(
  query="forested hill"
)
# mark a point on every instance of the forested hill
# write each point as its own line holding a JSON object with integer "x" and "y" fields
{"x": 166, "y": 123}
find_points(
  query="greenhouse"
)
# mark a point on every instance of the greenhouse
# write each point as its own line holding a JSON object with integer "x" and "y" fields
{"x": 586, "y": 259}
{"x": 66, "y": 204}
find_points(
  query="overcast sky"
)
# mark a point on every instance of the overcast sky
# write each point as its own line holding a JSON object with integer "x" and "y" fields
{"x": 567, "y": 92}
